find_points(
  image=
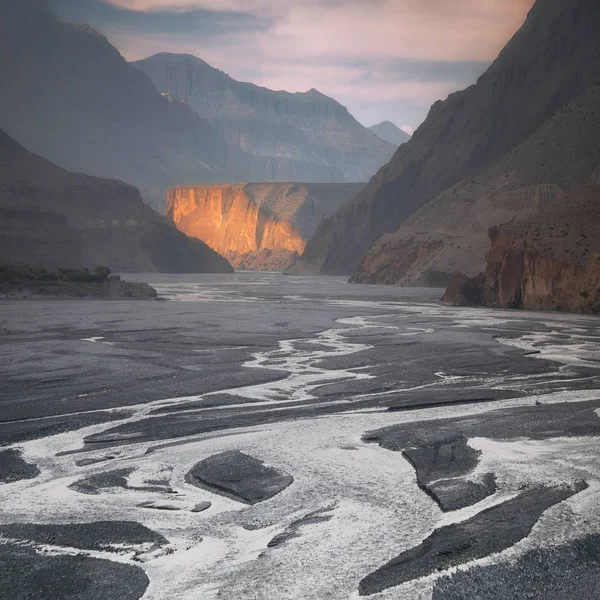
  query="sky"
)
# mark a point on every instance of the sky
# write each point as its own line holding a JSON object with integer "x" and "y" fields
{"x": 382, "y": 59}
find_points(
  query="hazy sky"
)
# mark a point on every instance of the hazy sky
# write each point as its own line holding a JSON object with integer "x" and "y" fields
{"x": 383, "y": 59}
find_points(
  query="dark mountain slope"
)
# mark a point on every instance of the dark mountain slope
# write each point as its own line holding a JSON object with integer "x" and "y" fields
{"x": 296, "y": 136}
{"x": 450, "y": 233}
{"x": 54, "y": 218}
{"x": 548, "y": 62}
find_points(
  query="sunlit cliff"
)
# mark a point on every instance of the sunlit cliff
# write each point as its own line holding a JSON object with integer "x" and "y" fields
{"x": 260, "y": 226}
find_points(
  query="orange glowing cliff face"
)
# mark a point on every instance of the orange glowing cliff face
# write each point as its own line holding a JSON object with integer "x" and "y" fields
{"x": 230, "y": 222}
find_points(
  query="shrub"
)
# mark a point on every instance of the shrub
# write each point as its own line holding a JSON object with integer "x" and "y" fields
{"x": 102, "y": 271}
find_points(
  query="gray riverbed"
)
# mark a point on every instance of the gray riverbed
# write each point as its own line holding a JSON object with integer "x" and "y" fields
{"x": 332, "y": 398}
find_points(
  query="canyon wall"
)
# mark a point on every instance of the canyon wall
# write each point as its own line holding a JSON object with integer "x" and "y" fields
{"x": 257, "y": 226}
{"x": 519, "y": 277}
{"x": 549, "y": 262}
{"x": 449, "y": 233}
{"x": 229, "y": 222}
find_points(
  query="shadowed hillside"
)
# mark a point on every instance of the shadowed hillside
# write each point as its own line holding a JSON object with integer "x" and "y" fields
{"x": 54, "y": 218}
{"x": 74, "y": 99}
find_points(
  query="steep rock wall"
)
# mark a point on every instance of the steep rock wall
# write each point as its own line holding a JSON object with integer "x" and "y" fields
{"x": 258, "y": 226}
{"x": 542, "y": 173}
{"x": 518, "y": 277}
{"x": 226, "y": 219}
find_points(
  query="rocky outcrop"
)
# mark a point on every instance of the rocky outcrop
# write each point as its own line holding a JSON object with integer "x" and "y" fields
{"x": 73, "y": 99}
{"x": 261, "y": 226}
{"x": 391, "y": 133}
{"x": 551, "y": 262}
{"x": 463, "y": 290}
{"x": 295, "y": 136}
{"x": 530, "y": 80}
{"x": 384, "y": 261}
{"x": 53, "y": 218}
{"x": 518, "y": 276}
{"x": 240, "y": 476}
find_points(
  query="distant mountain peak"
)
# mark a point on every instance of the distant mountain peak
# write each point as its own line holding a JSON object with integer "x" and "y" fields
{"x": 390, "y": 132}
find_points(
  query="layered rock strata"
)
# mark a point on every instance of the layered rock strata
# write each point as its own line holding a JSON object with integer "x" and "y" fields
{"x": 519, "y": 276}
{"x": 293, "y": 136}
{"x": 551, "y": 262}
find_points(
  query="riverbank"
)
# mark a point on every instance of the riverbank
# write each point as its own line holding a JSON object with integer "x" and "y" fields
{"x": 24, "y": 282}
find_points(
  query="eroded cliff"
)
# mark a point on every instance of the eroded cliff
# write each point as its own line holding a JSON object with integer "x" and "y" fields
{"x": 229, "y": 222}
{"x": 551, "y": 262}
{"x": 257, "y": 226}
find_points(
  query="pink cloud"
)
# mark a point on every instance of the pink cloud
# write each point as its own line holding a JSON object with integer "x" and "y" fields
{"x": 424, "y": 29}
{"x": 342, "y": 47}
{"x": 454, "y": 30}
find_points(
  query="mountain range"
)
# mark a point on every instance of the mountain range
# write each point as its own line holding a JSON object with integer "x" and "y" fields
{"x": 430, "y": 193}
{"x": 69, "y": 96}
{"x": 73, "y": 99}
{"x": 295, "y": 136}
{"x": 513, "y": 160}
